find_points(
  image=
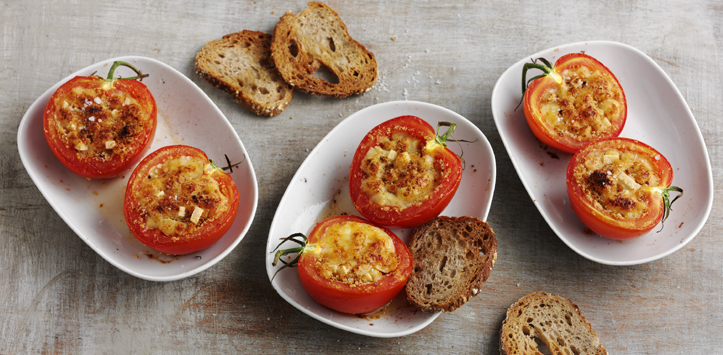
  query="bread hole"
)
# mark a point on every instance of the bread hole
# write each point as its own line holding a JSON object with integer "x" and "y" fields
{"x": 568, "y": 319}
{"x": 256, "y": 74}
{"x": 529, "y": 319}
{"x": 264, "y": 91}
{"x": 542, "y": 347}
{"x": 443, "y": 264}
{"x": 574, "y": 350}
{"x": 526, "y": 330}
{"x": 221, "y": 55}
{"x": 332, "y": 46}
{"x": 293, "y": 49}
{"x": 561, "y": 341}
{"x": 218, "y": 62}
{"x": 246, "y": 44}
{"x": 254, "y": 87}
{"x": 241, "y": 83}
{"x": 429, "y": 288}
{"x": 326, "y": 74}
{"x": 356, "y": 73}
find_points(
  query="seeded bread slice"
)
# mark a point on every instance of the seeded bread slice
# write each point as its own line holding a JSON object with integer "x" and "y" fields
{"x": 453, "y": 257}
{"x": 240, "y": 64}
{"x": 317, "y": 39}
{"x": 541, "y": 321}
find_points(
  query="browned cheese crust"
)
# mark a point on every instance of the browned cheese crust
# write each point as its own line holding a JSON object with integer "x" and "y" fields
{"x": 453, "y": 257}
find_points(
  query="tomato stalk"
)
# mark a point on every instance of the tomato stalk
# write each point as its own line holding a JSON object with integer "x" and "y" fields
{"x": 546, "y": 68}
{"x": 116, "y": 64}
{"x": 444, "y": 138}
{"x": 667, "y": 203}
{"x": 299, "y": 250}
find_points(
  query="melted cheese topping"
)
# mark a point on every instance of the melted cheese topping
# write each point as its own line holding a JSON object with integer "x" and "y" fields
{"x": 180, "y": 195}
{"x": 618, "y": 182}
{"x": 97, "y": 126}
{"x": 355, "y": 253}
{"x": 399, "y": 173}
{"x": 584, "y": 106}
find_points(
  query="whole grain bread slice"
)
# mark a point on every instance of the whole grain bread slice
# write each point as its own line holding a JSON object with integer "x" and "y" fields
{"x": 453, "y": 257}
{"x": 542, "y": 321}
{"x": 318, "y": 39}
{"x": 240, "y": 64}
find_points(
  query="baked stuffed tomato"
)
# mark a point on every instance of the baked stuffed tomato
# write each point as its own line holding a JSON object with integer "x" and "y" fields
{"x": 620, "y": 187}
{"x": 576, "y": 102}
{"x": 349, "y": 264}
{"x": 100, "y": 127}
{"x": 403, "y": 174}
{"x": 179, "y": 202}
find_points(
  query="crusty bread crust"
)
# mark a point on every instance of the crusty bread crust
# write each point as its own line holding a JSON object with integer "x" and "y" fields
{"x": 240, "y": 64}
{"x": 453, "y": 257}
{"x": 318, "y": 38}
{"x": 541, "y": 318}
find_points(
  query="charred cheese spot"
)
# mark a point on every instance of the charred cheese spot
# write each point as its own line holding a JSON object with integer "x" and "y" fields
{"x": 399, "y": 172}
{"x": 355, "y": 253}
{"x": 99, "y": 126}
{"x": 176, "y": 186}
{"x": 617, "y": 182}
{"x": 584, "y": 106}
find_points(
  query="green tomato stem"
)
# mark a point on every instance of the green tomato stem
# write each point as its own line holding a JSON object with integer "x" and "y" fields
{"x": 667, "y": 203}
{"x": 298, "y": 250}
{"x": 547, "y": 69}
{"x": 116, "y": 64}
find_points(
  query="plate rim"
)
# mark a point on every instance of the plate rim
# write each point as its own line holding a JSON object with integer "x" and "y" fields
{"x": 697, "y": 132}
{"x": 23, "y": 128}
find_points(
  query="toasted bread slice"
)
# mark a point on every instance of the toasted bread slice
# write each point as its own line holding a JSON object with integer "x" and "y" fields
{"x": 240, "y": 64}
{"x": 318, "y": 39}
{"x": 541, "y": 320}
{"x": 453, "y": 257}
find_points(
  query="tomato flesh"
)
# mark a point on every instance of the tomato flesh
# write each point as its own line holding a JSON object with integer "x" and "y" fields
{"x": 438, "y": 183}
{"x": 579, "y": 102}
{"x": 176, "y": 202}
{"x": 352, "y": 298}
{"x": 100, "y": 129}
{"x": 615, "y": 184}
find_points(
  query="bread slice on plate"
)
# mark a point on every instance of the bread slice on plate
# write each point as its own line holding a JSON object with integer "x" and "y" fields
{"x": 317, "y": 39}
{"x": 240, "y": 64}
{"x": 453, "y": 257}
{"x": 543, "y": 323}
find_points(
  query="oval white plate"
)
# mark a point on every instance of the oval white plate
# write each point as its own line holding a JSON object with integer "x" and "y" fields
{"x": 94, "y": 208}
{"x": 657, "y": 115}
{"x": 320, "y": 189}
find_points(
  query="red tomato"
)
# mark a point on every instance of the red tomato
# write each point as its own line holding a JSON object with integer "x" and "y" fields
{"x": 620, "y": 187}
{"x": 323, "y": 252}
{"x": 99, "y": 128}
{"x": 576, "y": 102}
{"x": 178, "y": 202}
{"x": 403, "y": 174}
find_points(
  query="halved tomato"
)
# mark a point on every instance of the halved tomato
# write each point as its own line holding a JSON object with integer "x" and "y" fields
{"x": 403, "y": 174}
{"x": 349, "y": 264}
{"x": 100, "y": 127}
{"x": 576, "y": 102}
{"x": 620, "y": 187}
{"x": 178, "y": 202}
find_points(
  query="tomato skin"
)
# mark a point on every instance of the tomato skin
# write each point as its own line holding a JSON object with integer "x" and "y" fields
{"x": 421, "y": 212}
{"x": 94, "y": 169}
{"x": 203, "y": 238}
{"x": 531, "y": 104}
{"x": 353, "y": 299}
{"x": 618, "y": 228}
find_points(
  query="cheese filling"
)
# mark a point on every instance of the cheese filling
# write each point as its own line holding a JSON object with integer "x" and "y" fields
{"x": 177, "y": 186}
{"x": 617, "y": 182}
{"x": 355, "y": 253}
{"x": 585, "y": 106}
{"x": 98, "y": 126}
{"x": 398, "y": 172}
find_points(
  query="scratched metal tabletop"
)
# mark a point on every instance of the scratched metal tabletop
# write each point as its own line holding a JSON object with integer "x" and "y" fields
{"x": 57, "y": 295}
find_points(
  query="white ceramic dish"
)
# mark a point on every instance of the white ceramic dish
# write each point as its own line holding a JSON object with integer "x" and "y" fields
{"x": 94, "y": 208}
{"x": 657, "y": 115}
{"x": 320, "y": 189}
